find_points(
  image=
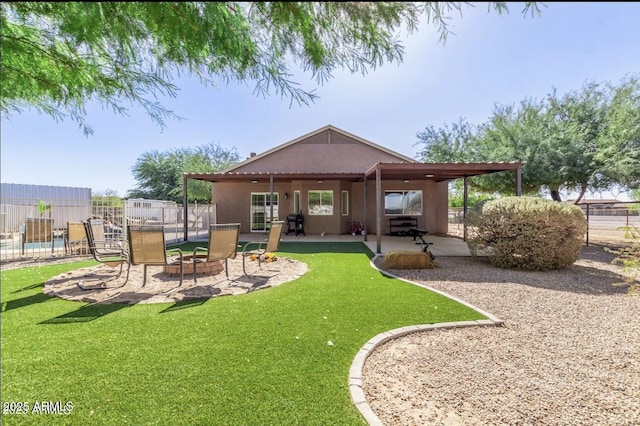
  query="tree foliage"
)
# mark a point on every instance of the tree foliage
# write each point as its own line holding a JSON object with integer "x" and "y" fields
{"x": 584, "y": 140}
{"x": 456, "y": 195}
{"x": 108, "y": 198}
{"x": 58, "y": 56}
{"x": 160, "y": 174}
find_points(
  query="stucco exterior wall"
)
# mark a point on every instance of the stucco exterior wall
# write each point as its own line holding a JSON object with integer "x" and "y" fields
{"x": 323, "y": 153}
{"x": 233, "y": 203}
{"x": 434, "y": 203}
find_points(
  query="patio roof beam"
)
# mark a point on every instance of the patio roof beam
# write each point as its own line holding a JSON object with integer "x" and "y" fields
{"x": 277, "y": 176}
{"x": 438, "y": 171}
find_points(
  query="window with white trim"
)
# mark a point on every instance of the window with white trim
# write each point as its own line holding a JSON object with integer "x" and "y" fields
{"x": 344, "y": 203}
{"x": 296, "y": 202}
{"x": 320, "y": 203}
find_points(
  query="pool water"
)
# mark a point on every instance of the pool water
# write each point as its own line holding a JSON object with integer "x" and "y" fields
{"x": 16, "y": 244}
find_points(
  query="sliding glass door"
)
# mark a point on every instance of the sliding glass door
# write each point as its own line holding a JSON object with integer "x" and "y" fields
{"x": 261, "y": 210}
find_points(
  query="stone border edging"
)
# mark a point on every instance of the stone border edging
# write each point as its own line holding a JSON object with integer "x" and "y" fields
{"x": 355, "y": 372}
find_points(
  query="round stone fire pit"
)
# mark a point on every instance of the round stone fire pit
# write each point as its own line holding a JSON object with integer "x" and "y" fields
{"x": 211, "y": 267}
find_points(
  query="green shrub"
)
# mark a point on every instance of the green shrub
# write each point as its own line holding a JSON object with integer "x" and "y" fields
{"x": 527, "y": 232}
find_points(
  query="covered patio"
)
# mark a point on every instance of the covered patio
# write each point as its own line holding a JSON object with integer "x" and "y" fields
{"x": 376, "y": 175}
{"x": 442, "y": 245}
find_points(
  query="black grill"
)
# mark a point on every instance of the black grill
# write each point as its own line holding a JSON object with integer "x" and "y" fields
{"x": 295, "y": 223}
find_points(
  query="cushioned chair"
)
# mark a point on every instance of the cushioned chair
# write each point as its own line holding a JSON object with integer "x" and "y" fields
{"x": 269, "y": 245}
{"x": 223, "y": 244}
{"x": 111, "y": 252}
{"x": 147, "y": 247}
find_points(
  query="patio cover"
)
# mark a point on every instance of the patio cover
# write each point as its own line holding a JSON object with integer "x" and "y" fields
{"x": 436, "y": 171}
{"x": 392, "y": 171}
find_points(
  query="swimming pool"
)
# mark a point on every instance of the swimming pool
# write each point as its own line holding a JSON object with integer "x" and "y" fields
{"x": 12, "y": 247}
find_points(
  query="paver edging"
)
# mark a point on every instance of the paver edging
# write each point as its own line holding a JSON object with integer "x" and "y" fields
{"x": 355, "y": 372}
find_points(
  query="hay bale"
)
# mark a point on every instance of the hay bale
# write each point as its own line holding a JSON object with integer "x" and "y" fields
{"x": 408, "y": 259}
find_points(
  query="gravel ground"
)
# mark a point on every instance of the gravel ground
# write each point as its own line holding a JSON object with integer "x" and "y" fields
{"x": 568, "y": 353}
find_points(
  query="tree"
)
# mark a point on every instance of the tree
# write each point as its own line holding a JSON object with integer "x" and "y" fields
{"x": 58, "y": 56}
{"x": 108, "y": 198}
{"x": 160, "y": 174}
{"x": 619, "y": 143}
{"x": 585, "y": 140}
{"x": 456, "y": 195}
{"x": 448, "y": 144}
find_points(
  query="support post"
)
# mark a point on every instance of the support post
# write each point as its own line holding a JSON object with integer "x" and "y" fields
{"x": 465, "y": 204}
{"x": 270, "y": 200}
{"x": 364, "y": 220}
{"x": 378, "y": 209}
{"x": 185, "y": 206}
{"x": 587, "y": 224}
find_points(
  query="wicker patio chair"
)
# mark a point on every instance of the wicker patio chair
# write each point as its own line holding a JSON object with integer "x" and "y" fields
{"x": 147, "y": 246}
{"x": 37, "y": 230}
{"x": 270, "y": 245}
{"x": 111, "y": 252}
{"x": 223, "y": 244}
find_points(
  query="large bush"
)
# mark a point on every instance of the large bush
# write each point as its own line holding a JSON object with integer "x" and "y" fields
{"x": 527, "y": 232}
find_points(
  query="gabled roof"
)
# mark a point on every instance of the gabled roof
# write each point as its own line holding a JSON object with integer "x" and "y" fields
{"x": 389, "y": 164}
{"x": 235, "y": 167}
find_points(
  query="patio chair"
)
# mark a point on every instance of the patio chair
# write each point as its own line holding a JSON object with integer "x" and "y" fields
{"x": 269, "y": 245}
{"x": 75, "y": 239}
{"x": 37, "y": 230}
{"x": 112, "y": 252}
{"x": 147, "y": 247}
{"x": 223, "y": 244}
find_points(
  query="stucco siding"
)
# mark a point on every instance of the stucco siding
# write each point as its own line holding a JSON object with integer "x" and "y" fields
{"x": 233, "y": 204}
{"x": 327, "y": 152}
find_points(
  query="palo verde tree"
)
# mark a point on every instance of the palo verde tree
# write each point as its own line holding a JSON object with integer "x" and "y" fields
{"x": 57, "y": 56}
{"x": 159, "y": 175}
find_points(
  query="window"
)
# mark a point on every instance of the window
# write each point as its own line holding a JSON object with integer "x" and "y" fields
{"x": 261, "y": 210}
{"x": 296, "y": 202}
{"x": 403, "y": 202}
{"x": 320, "y": 203}
{"x": 344, "y": 204}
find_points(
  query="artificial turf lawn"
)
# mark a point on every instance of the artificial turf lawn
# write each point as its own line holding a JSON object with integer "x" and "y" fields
{"x": 254, "y": 359}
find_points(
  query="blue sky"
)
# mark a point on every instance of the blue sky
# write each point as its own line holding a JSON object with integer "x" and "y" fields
{"x": 490, "y": 60}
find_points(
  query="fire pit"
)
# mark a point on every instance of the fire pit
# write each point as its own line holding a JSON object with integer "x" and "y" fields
{"x": 211, "y": 267}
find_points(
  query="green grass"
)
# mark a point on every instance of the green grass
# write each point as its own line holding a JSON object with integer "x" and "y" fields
{"x": 255, "y": 359}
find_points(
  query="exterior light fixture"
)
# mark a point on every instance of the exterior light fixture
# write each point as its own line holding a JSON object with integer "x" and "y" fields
{"x": 428, "y": 175}
{"x": 254, "y": 181}
{"x": 406, "y": 181}
{"x": 320, "y": 181}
